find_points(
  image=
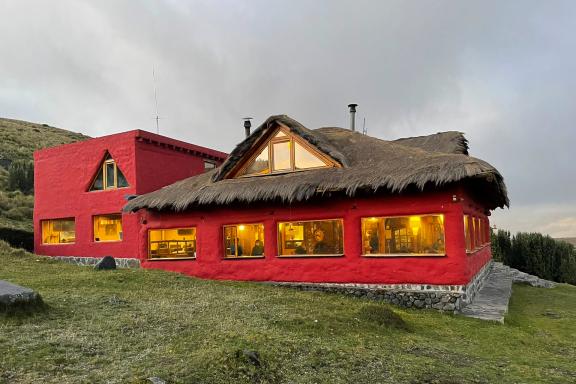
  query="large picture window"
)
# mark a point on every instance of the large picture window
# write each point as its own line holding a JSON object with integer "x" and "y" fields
{"x": 310, "y": 238}
{"x": 59, "y": 231}
{"x": 284, "y": 153}
{"x": 107, "y": 227}
{"x": 243, "y": 240}
{"x": 109, "y": 176}
{"x": 405, "y": 235}
{"x": 173, "y": 243}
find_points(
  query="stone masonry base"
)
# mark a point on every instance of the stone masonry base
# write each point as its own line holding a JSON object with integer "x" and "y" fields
{"x": 450, "y": 298}
{"x": 91, "y": 261}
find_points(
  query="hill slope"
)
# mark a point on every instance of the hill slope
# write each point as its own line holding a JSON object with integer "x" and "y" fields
{"x": 18, "y": 141}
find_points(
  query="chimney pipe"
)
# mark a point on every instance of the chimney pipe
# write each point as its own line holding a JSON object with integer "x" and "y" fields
{"x": 352, "y": 116}
{"x": 247, "y": 125}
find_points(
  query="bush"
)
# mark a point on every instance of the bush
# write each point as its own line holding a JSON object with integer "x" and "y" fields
{"x": 536, "y": 254}
{"x": 21, "y": 176}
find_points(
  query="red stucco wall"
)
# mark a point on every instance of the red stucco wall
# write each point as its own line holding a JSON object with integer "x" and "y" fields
{"x": 454, "y": 268}
{"x": 63, "y": 175}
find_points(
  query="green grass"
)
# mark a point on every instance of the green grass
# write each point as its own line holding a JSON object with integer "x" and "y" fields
{"x": 126, "y": 325}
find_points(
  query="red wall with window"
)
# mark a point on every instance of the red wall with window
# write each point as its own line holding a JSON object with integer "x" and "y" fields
{"x": 63, "y": 176}
{"x": 456, "y": 267}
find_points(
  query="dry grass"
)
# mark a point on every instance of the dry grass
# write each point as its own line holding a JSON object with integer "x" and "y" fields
{"x": 124, "y": 326}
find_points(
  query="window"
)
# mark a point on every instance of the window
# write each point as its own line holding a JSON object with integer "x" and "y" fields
{"x": 174, "y": 243}
{"x": 468, "y": 233}
{"x": 310, "y": 238}
{"x": 284, "y": 153}
{"x": 405, "y": 235}
{"x": 59, "y": 231}
{"x": 208, "y": 165}
{"x": 109, "y": 176}
{"x": 243, "y": 240}
{"x": 107, "y": 228}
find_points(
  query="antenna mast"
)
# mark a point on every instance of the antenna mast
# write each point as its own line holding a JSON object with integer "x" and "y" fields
{"x": 364, "y": 130}
{"x": 157, "y": 118}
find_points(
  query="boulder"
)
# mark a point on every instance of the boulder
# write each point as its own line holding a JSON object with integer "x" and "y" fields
{"x": 106, "y": 263}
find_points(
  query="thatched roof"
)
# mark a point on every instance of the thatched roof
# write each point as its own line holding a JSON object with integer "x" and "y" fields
{"x": 369, "y": 165}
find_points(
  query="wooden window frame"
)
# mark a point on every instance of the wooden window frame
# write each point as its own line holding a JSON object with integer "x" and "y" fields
{"x": 103, "y": 167}
{"x": 307, "y": 256}
{"x": 94, "y": 218}
{"x": 404, "y": 254}
{"x": 149, "y": 250}
{"x": 73, "y": 219}
{"x": 292, "y": 139}
{"x": 235, "y": 257}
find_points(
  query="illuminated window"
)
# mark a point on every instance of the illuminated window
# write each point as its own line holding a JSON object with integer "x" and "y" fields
{"x": 405, "y": 235}
{"x": 174, "y": 243}
{"x": 107, "y": 228}
{"x": 59, "y": 231}
{"x": 243, "y": 240}
{"x": 310, "y": 238}
{"x": 468, "y": 233}
{"x": 109, "y": 176}
{"x": 284, "y": 153}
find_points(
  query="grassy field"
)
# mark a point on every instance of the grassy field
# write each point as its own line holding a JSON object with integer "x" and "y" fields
{"x": 126, "y": 325}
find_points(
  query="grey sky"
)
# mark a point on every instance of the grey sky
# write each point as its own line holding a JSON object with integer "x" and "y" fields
{"x": 502, "y": 72}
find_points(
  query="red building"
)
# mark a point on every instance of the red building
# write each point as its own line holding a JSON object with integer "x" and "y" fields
{"x": 80, "y": 189}
{"x": 288, "y": 204}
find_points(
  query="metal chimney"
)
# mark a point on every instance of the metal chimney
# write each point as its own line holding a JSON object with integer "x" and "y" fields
{"x": 247, "y": 125}
{"x": 352, "y": 116}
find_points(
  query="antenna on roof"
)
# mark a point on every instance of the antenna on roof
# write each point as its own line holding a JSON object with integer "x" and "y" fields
{"x": 157, "y": 118}
{"x": 364, "y": 129}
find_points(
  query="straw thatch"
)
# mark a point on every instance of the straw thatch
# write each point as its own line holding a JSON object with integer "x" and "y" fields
{"x": 369, "y": 165}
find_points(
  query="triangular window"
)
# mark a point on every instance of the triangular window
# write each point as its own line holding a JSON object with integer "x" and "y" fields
{"x": 109, "y": 176}
{"x": 283, "y": 153}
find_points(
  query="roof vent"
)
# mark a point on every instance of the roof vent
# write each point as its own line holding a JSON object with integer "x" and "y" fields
{"x": 247, "y": 125}
{"x": 352, "y": 116}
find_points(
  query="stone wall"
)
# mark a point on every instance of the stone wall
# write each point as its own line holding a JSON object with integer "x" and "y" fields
{"x": 92, "y": 261}
{"x": 450, "y": 298}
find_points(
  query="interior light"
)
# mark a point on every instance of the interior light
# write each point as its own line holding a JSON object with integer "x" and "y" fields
{"x": 241, "y": 227}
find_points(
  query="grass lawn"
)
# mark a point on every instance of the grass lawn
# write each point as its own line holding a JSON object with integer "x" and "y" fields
{"x": 126, "y": 325}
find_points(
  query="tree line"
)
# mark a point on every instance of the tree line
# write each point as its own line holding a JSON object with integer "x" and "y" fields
{"x": 21, "y": 176}
{"x": 536, "y": 254}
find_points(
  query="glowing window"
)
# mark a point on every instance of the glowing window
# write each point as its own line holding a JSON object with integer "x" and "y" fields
{"x": 311, "y": 238}
{"x": 405, "y": 235}
{"x": 174, "y": 243}
{"x": 243, "y": 240}
{"x": 59, "y": 231}
{"x": 468, "y": 233}
{"x": 109, "y": 176}
{"x": 107, "y": 228}
{"x": 283, "y": 153}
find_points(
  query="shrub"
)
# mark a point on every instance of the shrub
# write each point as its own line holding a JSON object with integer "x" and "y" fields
{"x": 536, "y": 254}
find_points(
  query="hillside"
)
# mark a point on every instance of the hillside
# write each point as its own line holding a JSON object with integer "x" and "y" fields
{"x": 18, "y": 141}
{"x": 124, "y": 326}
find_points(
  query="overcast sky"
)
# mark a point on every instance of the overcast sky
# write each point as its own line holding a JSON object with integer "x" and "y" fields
{"x": 502, "y": 72}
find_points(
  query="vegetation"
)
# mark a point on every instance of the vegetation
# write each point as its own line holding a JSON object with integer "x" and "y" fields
{"x": 18, "y": 141}
{"x": 126, "y": 325}
{"x": 536, "y": 254}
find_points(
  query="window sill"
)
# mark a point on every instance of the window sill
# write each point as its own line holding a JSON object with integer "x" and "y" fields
{"x": 308, "y": 256}
{"x": 107, "y": 241}
{"x": 242, "y": 257}
{"x": 58, "y": 244}
{"x": 171, "y": 258}
{"x": 469, "y": 253}
{"x": 405, "y": 255}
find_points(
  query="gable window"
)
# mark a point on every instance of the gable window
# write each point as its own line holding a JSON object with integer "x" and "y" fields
{"x": 243, "y": 240}
{"x": 405, "y": 235}
{"x": 109, "y": 176}
{"x": 284, "y": 153}
{"x": 107, "y": 228}
{"x": 59, "y": 231}
{"x": 310, "y": 238}
{"x": 173, "y": 243}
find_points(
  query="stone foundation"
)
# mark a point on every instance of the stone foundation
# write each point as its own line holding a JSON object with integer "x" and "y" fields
{"x": 92, "y": 261}
{"x": 450, "y": 298}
